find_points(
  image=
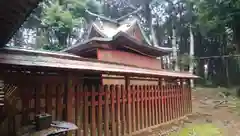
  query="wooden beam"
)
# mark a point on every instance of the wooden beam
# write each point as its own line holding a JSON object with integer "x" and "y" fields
{"x": 69, "y": 99}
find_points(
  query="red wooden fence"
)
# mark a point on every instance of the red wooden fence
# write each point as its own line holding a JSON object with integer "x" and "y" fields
{"x": 113, "y": 110}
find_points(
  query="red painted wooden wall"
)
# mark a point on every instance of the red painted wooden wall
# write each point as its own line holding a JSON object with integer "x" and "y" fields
{"x": 128, "y": 58}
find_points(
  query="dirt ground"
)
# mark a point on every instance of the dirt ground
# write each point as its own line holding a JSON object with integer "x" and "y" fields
{"x": 210, "y": 106}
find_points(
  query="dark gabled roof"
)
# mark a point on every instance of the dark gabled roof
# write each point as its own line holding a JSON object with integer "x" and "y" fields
{"x": 12, "y": 15}
{"x": 120, "y": 40}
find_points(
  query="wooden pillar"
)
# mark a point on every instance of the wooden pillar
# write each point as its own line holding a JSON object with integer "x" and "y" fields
{"x": 189, "y": 90}
{"x": 69, "y": 97}
{"x": 129, "y": 118}
{"x": 184, "y": 96}
{"x": 127, "y": 81}
{"x": 181, "y": 98}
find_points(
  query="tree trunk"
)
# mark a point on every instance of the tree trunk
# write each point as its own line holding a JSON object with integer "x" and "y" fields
{"x": 191, "y": 54}
{"x": 148, "y": 16}
{"x": 153, "y": 34}
{"x": 18, "y": 38}
{"x": 174, "y": 46}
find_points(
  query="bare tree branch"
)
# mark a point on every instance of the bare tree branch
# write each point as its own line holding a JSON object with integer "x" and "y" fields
{"x": 101, "y": 17}
{"x": 127, "y": 15}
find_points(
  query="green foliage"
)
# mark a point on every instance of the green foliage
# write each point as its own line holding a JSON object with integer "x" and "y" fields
{"x": 215, "y": 13}
{"x": 61, "y": 17}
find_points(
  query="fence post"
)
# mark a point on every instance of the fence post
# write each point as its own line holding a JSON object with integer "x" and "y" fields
{"x": 184, "y": 97}
{"x": 159, "y": 105}
{"x": 145, "y": 90}
{"x": 133, "y": 97}
{"x": 137, "y": 89}
{"x": 113, "y": 121}
{"x": 163, "y": 103}
{"x": 123, "y": 113}
{"x": 156, "y": 105}
{"x": 142, "y": 107}
{"x": 129, "y": 119}
{"x": 181, "y": 97}
{"x": 118, "y": 93}
{"x": 86, "y": 113}
{"x": 77, "y": 109}
{"x": 100, "y": 106}
{"x": 93, "y": 112}
{"x": 69, "y": 104}
{"x": 106, "y": 111}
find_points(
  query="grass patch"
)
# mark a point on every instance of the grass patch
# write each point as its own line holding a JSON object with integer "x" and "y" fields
{"x": 199, "y": 130}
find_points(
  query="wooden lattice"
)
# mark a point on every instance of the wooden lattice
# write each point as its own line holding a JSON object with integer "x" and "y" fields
{"x": 8, "y": 101}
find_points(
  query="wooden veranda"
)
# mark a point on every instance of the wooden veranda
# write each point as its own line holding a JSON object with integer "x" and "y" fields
{"x": 53, "y": 83}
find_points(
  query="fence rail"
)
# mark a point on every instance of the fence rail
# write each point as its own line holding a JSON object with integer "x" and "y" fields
{"x": 109, "y": 110}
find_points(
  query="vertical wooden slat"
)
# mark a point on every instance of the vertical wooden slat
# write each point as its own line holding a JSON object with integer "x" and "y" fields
{"x": 190, "y": 98}
{"x": 59, "y": 101}
{"x": 106, "y": 111}
{"x": 176, "y": 106}
{"x": 77, "y": 109}
{"x": 93, "y": 112}
{"x": 169, "y": 103}
{"x": 85, "y": 126}
{"x": 49, "y": 98}
{"x": 142, "y": 120}
{"x": 123, "y": 113}
{"x": 156, "y": 106}
{"x": 172, "y": 105}
{"x": 37, "y": 99}
{"x": 69, "y": 98}
{"x": 118, "y": 93}
{"x": 149, "y": 105}
{"x": 175, "y": 96}
{"x": 69, "y": 91}
{"x": 146, "y": 106}
{"x": 100, "y": 105}
{"x": 25, "y": 105}
{"x": 165, "y": 103}
{"x": 133, "y": 115}
{"x": 129, "y": 112}
{"x": 153, "y": 106}
{"x": 182, "y": 98}
{"x": 178, "y": 100}
{"x": 113, "y": 121}
{"x": 185, "y": 99}
{"x": 159, "y": 105}
{"x": 137, "y": 88}
{"x": 172, "y": 102}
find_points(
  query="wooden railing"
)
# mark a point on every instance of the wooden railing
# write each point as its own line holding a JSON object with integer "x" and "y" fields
{"x": 116, "y": 110}
{"x": 109, "y": 110}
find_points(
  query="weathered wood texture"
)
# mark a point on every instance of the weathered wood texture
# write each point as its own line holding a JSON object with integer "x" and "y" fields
{"x": 128, "y": 58}
{"x": 108, "y": 80}
{"x": 65, "y": 61}
{"x": 109, "y": 110}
